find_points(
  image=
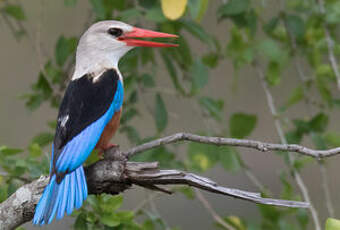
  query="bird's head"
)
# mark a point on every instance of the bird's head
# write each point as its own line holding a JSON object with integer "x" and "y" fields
{"x": 105, "y": 42}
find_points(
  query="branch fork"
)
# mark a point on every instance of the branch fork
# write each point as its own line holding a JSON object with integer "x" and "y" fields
{"x": 114, "y": 174}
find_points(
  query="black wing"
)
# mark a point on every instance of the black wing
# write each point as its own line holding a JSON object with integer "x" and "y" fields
{"x": 84, "y": 102}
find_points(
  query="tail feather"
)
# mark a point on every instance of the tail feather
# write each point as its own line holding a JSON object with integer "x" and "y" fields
{"x": 62, "y": 205}
{"x": 58, "y": 198}
{"x": 79, "y": 198}
{"x": 71, "y": 198}
{"x": 84, "y": 184}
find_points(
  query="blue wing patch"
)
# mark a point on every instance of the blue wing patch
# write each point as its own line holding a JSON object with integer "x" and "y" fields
{"x": 79, "y": 148}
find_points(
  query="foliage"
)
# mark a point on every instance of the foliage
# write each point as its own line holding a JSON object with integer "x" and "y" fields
{"x": 292, "y": 33}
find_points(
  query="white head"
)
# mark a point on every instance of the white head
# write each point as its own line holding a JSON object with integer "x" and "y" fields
{"x": 105, "y": 42}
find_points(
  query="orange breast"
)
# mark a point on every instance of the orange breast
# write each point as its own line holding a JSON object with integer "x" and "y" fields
{"x": 109, "y": 130}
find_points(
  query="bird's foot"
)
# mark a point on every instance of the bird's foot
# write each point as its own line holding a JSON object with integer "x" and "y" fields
{"x": 110, "y": 146}
{"x": 102, "y": 150}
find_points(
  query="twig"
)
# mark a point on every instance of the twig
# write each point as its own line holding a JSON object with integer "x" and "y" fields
{"x": 141, "y": 205}
{"x": 291, "y": 157}
{"x": 212, "y": 212}
{"x": 220, "y": 141}
{"x": 114, "y": 175}
{"x": 325, "y": 187}
{"x": 254, "y": 180}
{"x": 323, "y": 171}
{"x": 330, "y": 45}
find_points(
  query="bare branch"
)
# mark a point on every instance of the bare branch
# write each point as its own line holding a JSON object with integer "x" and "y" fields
{"x": 330, "y": 45}
{"x": 291, "y": 157}
{"x": 114, "y": 175}
{"x": 325, "y": 187}
{"x": 220, "y": 141}
{"x": 308, "y": 96}
{"x": 212, "y": 212}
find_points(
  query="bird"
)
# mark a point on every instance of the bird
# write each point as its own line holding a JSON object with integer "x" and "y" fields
{"x": 89, "y": 112}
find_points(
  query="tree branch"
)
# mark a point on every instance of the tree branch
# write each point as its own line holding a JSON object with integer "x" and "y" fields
{"x": 330, "y": 45}
{"x": 291, "y": 157}
{"x": 220, "y": 141}
{"x": 114, "y": 175}
{"x": 212, "y": 212}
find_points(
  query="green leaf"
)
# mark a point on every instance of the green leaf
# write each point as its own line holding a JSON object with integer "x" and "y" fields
{"x": 9, "y": 151}
{"x": 110, "y": 219}
{"x": 319, "y": 122}
{"x": 198, "y": 31}
{"x": 236, "y": 223}
{"x": 300, "y": 162}
{"x": 233, "y": 7}
{"x": 161, "y": 114}
{"x": 271, "y": 25}
{"x": 20, "y": 228}
{"x": 302, "y": 217}
{"x": 332, "y": 224}
{"x": 43, "y": 139}
{"x": 187, "y": 191}
{"x": 15, "y": 11}
{"x": 296, "y": 95}
{"x": 80, "y": 223}
{"x": 99, "y": 9}
{"x": 241, "y": 124}
{"x": 70, "y": 2}
{"x": 211, "y": 59}
{"x": 213, "y": 106}
{"x": 3, "y": 191}
{"x": 64, "y": 48}
{"x": 125, "y": 216}
{"x": 273, "y": 74}
{"x": 35, "y": 150}
{"x": 148, "y": 80}
{"x": 53, "y": 73}
{"x": 111, "y": 203}
{"x": 318, "y": 140}
{"x": 42, "y": 87}
{"x": 294, "y": 137}
{"x": 288, "y": 189}
{"x": 131, "y": 133}
{"x": 155, "y": 14}
{"x": 133, "y": 98}
{"x": 323, "y": 88}
{"x": 239, "y": 49}
{"x": 332, "y": 139}
{"x": 202, "y": 157}
{"x": 198, "y": 8}
{"x": 270, "y": 49}
{"x": 52, "y": 124}
{"x": 129, "y": 14}
{"x": 295, "y": 25}
{"x": 172, "y": 72}
{"x": 184, "y": 54}
{"x": 128, "y": 114}
{"x": 199, "y": 73}
{"x": 229, "y": 159}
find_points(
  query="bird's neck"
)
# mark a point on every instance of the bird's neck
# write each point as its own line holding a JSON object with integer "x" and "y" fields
{"x": 96, "y": 62}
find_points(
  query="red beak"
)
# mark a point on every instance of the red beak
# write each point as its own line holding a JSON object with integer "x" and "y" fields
{"x": 142, "y": 33}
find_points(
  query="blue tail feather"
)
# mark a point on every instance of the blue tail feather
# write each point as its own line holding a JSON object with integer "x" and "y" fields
{"x": 58, "y": 198}
{"x": 71, "y": 198}
{"x": 62, "y": 205}
{"x": 79, "y": 198}
{"x": 84, "y": 184}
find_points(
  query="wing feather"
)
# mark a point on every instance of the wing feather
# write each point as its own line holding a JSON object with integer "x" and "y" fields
{"x": 86, "y": 109}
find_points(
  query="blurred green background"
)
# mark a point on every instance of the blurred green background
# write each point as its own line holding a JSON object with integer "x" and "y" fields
{"x": 211, "y": 85}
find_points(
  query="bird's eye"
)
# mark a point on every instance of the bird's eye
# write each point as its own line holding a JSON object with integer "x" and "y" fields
{"x": 115, "y": 32}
